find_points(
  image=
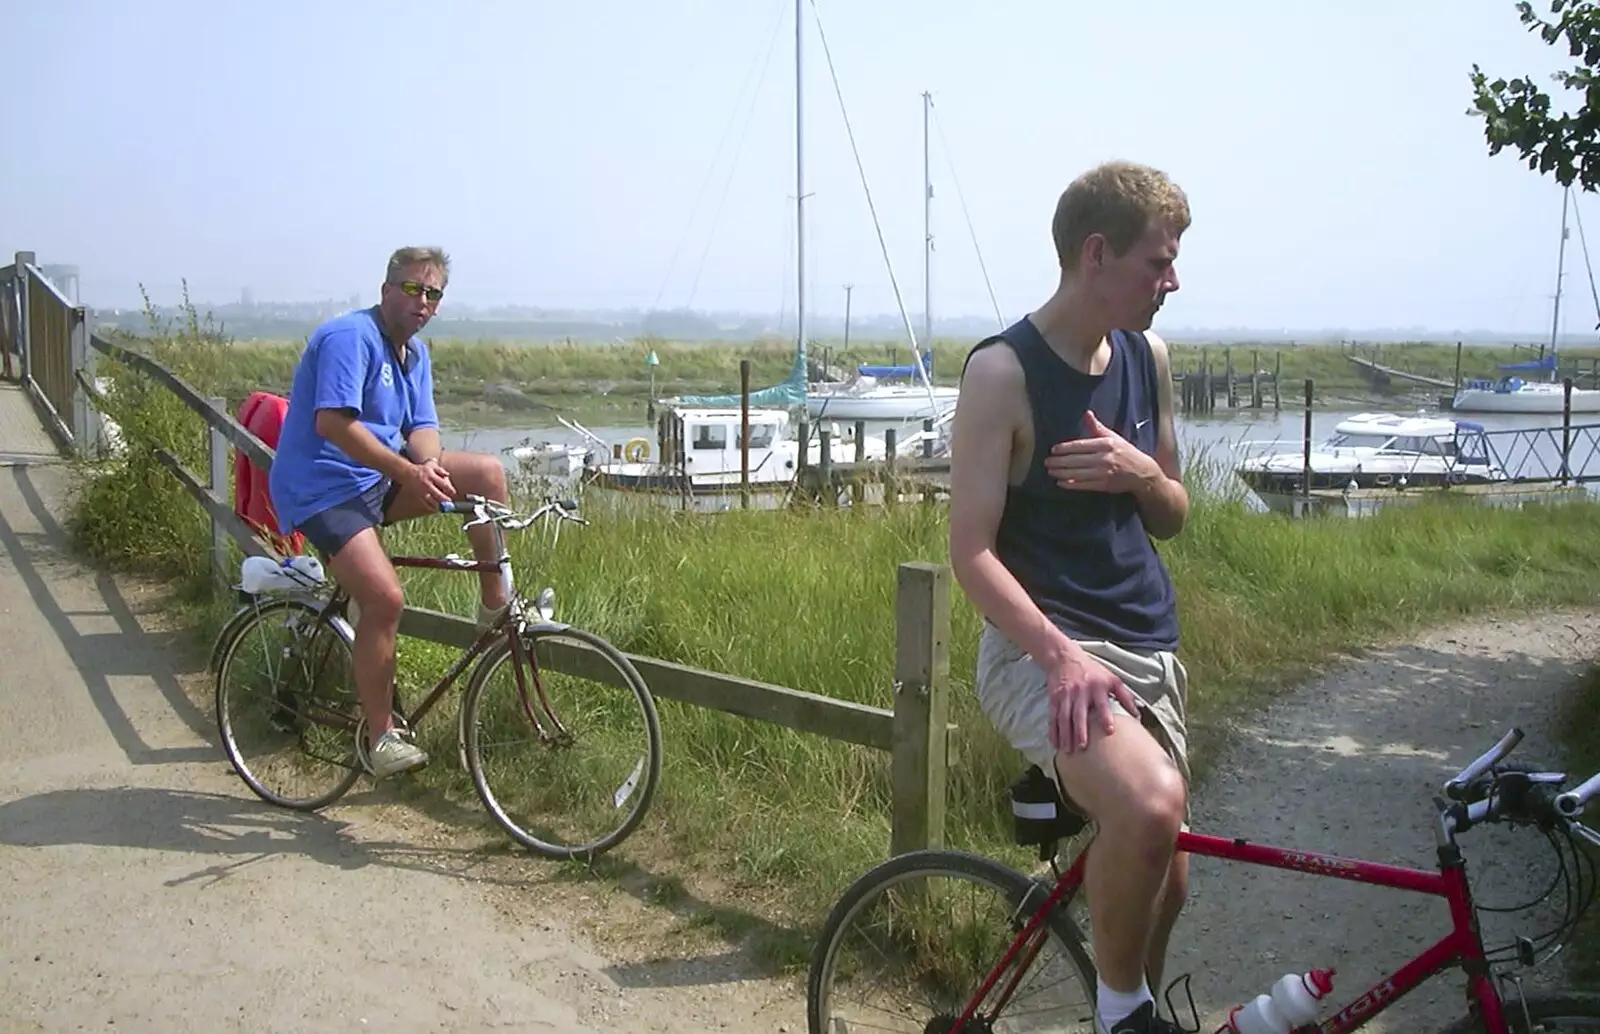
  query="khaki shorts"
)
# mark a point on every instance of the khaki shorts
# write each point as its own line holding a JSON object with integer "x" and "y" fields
{"x": 1012, "y": 693}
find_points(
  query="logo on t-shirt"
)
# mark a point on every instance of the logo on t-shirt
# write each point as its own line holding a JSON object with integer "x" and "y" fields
{"x": 386, "y": 376}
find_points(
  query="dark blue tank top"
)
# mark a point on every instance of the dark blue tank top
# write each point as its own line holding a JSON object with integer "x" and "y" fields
{"x": 1085, "y": 557}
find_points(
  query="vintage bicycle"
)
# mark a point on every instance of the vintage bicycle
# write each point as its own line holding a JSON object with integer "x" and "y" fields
{"x": 556, "y": 727}
{"x": 894, "y": 954}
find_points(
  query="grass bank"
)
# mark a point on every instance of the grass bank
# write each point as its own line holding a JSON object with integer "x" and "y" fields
{"x": 776, "y": 822}
{"x": 528, "y": 382}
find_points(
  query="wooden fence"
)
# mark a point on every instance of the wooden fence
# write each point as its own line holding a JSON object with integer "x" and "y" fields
{"x": 915, "y": 731}
{"x": 44, "y": 345}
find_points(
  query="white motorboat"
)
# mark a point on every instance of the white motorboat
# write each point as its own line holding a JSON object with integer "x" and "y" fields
{"x": 1376, "y": 450}
{"x": 712, "y": 456}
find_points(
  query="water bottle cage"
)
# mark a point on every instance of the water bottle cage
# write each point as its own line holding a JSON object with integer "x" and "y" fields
{"x": 1039, "y": 816}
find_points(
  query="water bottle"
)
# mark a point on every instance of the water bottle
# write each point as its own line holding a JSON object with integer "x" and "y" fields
{"x": 1292, "y": 1004}
{"x": 1296, "y": 995}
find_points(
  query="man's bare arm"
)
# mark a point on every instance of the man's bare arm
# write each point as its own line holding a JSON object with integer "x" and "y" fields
{"x": 981, "y": 435}
{"x": 1164, "y": 501}
{"x": 341, "y": 427}
{"x": 423, "y": 444}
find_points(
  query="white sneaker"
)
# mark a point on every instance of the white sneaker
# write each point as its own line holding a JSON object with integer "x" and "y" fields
{"x": 393, "y": 754}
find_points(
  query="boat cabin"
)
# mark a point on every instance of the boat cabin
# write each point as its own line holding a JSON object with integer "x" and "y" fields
{"x": 707, "y": 441}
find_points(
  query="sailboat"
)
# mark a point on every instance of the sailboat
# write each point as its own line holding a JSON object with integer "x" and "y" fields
{"x": 1513, "y": 394}
{"x": 861, "y": 398}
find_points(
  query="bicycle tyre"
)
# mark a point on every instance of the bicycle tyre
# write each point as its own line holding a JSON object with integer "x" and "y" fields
{"x": 644, "y": 779}
{"x": 933, "y": 862}
{"x": 224, "y": 654}
{"x": 1581, "y": 1010}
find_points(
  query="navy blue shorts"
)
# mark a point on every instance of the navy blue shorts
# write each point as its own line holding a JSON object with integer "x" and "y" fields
{"x": 328, "y": 530}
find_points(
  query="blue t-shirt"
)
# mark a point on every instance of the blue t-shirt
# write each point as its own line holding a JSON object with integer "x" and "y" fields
{"x": 348, "y": 365}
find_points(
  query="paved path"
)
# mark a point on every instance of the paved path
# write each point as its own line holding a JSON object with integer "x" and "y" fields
{"x": 23, "y": 439}
{"x": 143, "y": 889}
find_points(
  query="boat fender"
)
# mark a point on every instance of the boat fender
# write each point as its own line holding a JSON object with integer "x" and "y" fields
{"x": 637, "y": 450}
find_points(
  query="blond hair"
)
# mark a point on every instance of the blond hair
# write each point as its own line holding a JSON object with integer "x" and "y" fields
{"x": 1119, "y": 200}
{"x": 404, "y": 257}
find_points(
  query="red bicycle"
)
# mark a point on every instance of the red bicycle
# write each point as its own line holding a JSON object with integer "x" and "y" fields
{"x": 902, "y": 950}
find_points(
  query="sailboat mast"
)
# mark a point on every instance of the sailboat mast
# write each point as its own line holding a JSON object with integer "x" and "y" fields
{"x": 1561, "y": 258}
{"x": 799, "y": 177}
{"x": 927, "y": 232}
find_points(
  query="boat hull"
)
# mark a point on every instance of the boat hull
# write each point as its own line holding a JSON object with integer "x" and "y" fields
{"x": 882, "y": 404}
{"x": 1530, "y": 398}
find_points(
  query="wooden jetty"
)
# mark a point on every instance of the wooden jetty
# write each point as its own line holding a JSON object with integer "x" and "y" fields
{"x": 1197, "y": 389}
{"x": 1382, "y": 376}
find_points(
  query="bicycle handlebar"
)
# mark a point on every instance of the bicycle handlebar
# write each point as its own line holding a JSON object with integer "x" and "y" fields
{"x": 1519, "y": 793}
{"x": 1494, "y": 755}
{"x": 487, "y": 511}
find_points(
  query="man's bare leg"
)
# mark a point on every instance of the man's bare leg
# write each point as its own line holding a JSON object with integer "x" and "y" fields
{"x": 363, "y": 568}
{"x": 1136, "y": 796}
{"x": 1173, "y": 895}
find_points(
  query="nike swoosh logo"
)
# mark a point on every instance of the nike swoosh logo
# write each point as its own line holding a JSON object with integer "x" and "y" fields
{"x": 1141, "y": 423}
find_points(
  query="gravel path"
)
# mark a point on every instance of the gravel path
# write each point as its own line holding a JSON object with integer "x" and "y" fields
{"x": 1348, "y": 763}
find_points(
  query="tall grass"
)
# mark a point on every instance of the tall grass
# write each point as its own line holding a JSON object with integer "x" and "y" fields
{"x": 130, "y": 512}
{"x": 776, "y": 821}
{"x": 806, "y": 600}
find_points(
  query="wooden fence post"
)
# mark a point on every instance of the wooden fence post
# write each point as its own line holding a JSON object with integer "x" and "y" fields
{"x": 920, "y": 753}
{"x": 85, "y": 424}
{"x": 217, "y": 453}
{"x": 24, "y": 315}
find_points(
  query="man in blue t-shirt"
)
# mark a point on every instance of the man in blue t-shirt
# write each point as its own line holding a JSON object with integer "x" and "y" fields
{"x": 360, "y": 449}
{"x": 1064, "y": 465}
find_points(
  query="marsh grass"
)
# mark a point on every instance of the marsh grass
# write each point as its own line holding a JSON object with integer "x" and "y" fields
{"x": 599, "y": 380}
{"x": 767, "y": 825}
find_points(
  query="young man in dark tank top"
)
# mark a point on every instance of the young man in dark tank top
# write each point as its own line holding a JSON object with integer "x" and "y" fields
{"x": 1064, "y": 465}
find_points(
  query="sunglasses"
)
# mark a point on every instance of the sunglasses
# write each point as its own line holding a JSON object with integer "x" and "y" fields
{"x": 415, "y": 289}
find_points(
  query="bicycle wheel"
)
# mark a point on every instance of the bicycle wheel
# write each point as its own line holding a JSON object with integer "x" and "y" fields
{"x": 1549, "y": 1011}
{"x": 565, "y": 752}
{"x": 912, "y": 940}
{"x": 286, "y": 704}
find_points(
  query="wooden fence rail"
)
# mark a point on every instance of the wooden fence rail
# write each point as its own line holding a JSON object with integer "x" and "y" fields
{"x": 916, "y": 732}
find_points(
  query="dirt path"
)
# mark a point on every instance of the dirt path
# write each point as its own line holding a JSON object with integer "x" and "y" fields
{"x": 143, "y": 889}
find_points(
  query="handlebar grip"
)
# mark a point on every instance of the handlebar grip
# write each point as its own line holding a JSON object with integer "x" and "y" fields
{"x": 447, "y": 507}
{"x": 1507, "y": 744}
{"x": 1571, "y": 803}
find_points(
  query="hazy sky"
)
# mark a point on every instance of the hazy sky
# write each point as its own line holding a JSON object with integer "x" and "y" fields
{"x": 558, "y": 150}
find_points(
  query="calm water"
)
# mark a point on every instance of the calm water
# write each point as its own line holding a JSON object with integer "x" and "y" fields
{"x": 1221, "y": 437}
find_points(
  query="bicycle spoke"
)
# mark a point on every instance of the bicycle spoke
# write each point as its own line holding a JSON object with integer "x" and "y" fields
{"x": 909, "y": 951}
{"x": 579, "y": 791}
{"x": 286, "y": 706}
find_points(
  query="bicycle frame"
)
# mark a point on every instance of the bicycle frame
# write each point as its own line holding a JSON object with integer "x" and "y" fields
{"x": 1462, "y": 945}
{"x": 506, "y": 625}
